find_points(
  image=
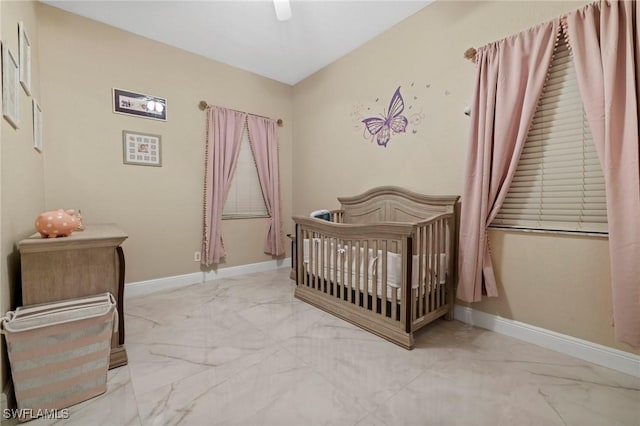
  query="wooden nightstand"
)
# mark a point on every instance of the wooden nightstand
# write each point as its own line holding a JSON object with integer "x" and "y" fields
{"x": 84, "y": 263}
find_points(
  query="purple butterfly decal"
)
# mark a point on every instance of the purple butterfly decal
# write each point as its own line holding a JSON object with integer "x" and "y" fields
{"x": 392, "y": 123}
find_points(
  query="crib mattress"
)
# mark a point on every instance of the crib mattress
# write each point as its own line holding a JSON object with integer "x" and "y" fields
{"x": 337, "y": 264}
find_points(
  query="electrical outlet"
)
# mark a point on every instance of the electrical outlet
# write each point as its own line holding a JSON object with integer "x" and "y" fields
{"x": 196, "y": 256}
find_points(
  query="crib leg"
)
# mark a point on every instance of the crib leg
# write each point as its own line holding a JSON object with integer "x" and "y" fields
{"x": 449, "y": 315}
{"x": 451, "y": 301}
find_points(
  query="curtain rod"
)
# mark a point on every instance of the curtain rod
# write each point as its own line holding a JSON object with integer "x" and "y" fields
{"x": 471, "y": 52}
{"x": 203, "y": 105}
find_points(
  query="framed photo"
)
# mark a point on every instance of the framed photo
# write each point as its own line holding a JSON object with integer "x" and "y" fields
{"x": 141, "y": 149}
{"x": 139, "y": 104}
{"x": 24, "y": 53}
{"x": 37, "y": 126}
{"x": 10, "y": 87}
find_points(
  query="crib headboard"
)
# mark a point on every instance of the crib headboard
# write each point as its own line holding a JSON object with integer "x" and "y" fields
{"x": 394, "y": 204}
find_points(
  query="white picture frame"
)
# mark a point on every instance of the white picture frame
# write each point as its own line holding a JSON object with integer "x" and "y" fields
{"x": 10, "y": 87}
{"x": 24, "y": 54}
{"x": 37, "y": 126}
{"x": 141, "y": 149}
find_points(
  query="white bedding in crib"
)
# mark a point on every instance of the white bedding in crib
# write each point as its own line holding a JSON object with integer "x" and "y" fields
{"x": 341, "y": 267}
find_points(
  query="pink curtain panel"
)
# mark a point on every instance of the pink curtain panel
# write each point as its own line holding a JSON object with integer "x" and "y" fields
{"x": 603, "y": 38}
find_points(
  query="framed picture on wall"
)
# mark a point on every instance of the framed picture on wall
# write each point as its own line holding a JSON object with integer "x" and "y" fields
{"x": 37, "y": 126}
{"x": 24, "y": 53}
{"x": 10, "y": 87}
{"x": 139, "y": 104}
{"x": 141, "y": 149}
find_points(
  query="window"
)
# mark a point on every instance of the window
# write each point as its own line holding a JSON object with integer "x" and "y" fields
{"x": 245, "y": 195}
{"x": 558, "y": 185}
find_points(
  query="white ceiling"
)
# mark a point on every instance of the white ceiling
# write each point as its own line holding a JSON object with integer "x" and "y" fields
{"x": 247, "y": 35}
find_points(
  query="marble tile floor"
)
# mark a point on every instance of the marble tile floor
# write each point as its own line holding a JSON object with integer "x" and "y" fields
{"x": 244, "y": 351}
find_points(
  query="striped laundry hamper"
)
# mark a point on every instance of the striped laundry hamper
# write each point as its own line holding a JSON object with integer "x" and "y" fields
{"x": 59, "y": 352}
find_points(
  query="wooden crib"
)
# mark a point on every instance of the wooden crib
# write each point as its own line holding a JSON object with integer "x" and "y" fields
{"x": 386, "y": 261}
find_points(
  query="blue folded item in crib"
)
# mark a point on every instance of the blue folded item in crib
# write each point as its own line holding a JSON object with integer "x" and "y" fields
{"x": 321, "y": 214}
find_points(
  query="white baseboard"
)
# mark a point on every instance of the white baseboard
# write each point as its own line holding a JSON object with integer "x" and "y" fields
{"x": 598, "y": 354}
{"x": 141, "y": 288}
{"x": 233, "y": 271}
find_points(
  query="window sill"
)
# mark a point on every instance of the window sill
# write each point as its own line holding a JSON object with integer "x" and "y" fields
{"x": 550, "y": 231}
{"x": 234, "y": 217}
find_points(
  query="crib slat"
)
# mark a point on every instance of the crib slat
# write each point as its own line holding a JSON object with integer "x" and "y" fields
{"x": 316, "y": 255}
{"x": 443, "y": 266}
{"x": 437, "y": 266}
{"x": 414, "y": 306}
{"x": 365, "y": 273}
{"x": 312, "y": 259}
{"x": 421, "y": 278}
{"x": 427, "y": 270}
{"x": 299, "y": 256}
{"x": 422, "y": 273}
{"x": 323, "y": 255}
{"x": 432, "y": 269}
{"x": 340, "y": 266}
{"x": 358, "y": 272}
{"x": 416, "y": 252}
{"x": 374, "y": 284}
{"x": 316, "y": 262}
{"x": 442, "y": 275}
{"x": 384, "y": 277}
{"x": 432, "y": 263}
{"x": 405, "y": 306}
{"x": 394, "y": 303}
{"x": 319, "y": 262}
{"x": 336, "y": 264}
{"x": 349, "y": 268}
{"x": 307, "y": 266}
{"x": 436, "y": 263}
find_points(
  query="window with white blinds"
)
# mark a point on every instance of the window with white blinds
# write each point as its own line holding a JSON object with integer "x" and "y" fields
{"x": 245, "y": 195}
{"x": 558, "y": 185}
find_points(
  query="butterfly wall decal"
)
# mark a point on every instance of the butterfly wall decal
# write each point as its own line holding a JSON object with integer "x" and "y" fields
{"x": 391, "y": 123}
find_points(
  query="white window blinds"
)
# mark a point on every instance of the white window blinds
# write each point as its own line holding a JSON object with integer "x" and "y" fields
{"x": 245, "y": 195}
{"x": 558, "y": 185}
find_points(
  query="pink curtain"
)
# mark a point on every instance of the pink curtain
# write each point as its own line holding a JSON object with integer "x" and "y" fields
{"x": 264, "y": 144}
{"x": 604, "y": 39}
{"x": 510, "y": 78}
{"x": 224, "y": 133}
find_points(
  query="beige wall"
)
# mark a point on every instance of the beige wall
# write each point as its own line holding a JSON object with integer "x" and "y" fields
{"x": 22, "y": 191}
{"x": 553, "y": 281}
{"x": 159, "y": 208}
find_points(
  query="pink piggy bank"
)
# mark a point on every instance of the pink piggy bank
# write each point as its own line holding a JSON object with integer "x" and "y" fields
{"x": 57, "y": 223}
